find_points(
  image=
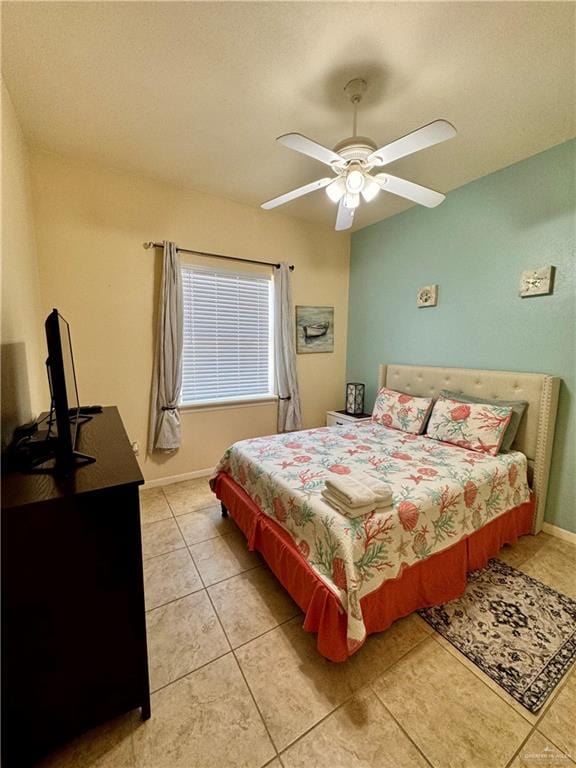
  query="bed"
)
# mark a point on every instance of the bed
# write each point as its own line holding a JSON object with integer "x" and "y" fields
{"x": 452, "y": 508}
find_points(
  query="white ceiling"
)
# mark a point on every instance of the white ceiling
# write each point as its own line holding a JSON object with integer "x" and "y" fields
{"x": 195, "y": 92}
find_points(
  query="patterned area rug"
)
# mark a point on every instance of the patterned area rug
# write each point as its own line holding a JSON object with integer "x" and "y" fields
{"x": 517, "y": 630}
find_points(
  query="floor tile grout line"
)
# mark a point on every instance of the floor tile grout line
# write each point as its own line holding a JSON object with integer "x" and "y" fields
{"x": 175, "y": 599}
{"x": 404, "y": 731}
{"x": 167, "y": 502}
{"x": 569, "y": 755}
{"x": 176, "y": 549}
{"x": 187, "y": 545}
{"x": 527, "y": 739}
{"x": 269, "y": 763}
{"x": 349, "y": 698}
{"x": 204, "y": 585}
{"x": 192, "y": 544}
{"x": 252, "y": 696}
{"x": 174, "y": 515}
{"x": 410, "y": 739}
{"x": 234, "y": 655}
{"x": 202, "y": 541}
{"x": 267, "y": 631}
{"x": 151, "y": 522}
{"x": 189, "y": 548}
{"x": 243, "y": 676}
{"x": 206, "y": 589}
{"x": 190, "y": 672}
{"x": 233, "y": 576}
{"x": 521, "y": 746}
{"x": 154, "y": 557}
{"x": 213, "y": 505}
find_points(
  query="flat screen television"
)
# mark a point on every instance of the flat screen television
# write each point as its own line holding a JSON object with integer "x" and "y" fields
{"x": 65, "y": 406}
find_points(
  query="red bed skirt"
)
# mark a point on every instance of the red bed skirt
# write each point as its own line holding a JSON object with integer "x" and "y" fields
{"x": 438, "y": 579}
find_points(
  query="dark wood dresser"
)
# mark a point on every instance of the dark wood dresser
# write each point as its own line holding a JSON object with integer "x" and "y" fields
{"x": 73, "y": 621}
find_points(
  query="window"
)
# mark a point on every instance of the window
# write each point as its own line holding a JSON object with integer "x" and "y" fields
{"x": 228, "y": 352}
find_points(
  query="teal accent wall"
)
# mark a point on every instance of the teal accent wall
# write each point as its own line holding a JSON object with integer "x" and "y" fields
{"x": 475, "y": 245}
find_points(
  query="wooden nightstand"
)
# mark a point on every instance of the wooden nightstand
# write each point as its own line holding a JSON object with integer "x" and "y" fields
{"x": 339, "y": 418}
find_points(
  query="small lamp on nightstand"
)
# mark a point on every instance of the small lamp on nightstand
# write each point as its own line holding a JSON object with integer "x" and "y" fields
{"x": 354, "y": 398}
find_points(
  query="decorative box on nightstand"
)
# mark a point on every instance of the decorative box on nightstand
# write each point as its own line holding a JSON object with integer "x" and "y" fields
{"x": 339, "y": 418}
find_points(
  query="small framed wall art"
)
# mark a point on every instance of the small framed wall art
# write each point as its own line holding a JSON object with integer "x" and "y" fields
{"x": 314, "y": 329}
{"x": 427, "y": 296}
{"x": 537, "y": 282}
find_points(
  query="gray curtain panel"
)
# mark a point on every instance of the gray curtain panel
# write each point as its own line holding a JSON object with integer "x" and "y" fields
{"x": 167, "y": 373}
{"x": 289, "y": 417}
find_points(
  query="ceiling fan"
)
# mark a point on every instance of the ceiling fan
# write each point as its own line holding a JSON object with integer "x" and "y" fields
{"x": 354, "y": 158}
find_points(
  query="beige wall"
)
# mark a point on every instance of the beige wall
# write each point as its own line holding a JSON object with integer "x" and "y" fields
{"x": 91, "y": 223}
{"x": 24, "y": 383}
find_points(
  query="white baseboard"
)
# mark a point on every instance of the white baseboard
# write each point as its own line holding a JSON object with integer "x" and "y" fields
{"x": 160, "y": 481}
{"x": 560, "y": 533}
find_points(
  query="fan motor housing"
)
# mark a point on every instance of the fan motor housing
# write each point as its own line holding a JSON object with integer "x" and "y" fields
{"x": 355, "y": 148}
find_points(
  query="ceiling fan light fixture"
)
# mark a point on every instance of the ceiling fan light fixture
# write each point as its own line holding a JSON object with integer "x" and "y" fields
{"x": 351, "y": 200}
{"x": 370, "y": 189}
{"x": 336, "y": 190}
{"x": 355, "y": 180}
{"x": 352, "y": 160}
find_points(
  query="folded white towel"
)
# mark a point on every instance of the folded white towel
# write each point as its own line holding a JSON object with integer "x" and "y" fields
{"x": 378, "y": 502}
{"x": 342, "y": 499}
{"x": 344, "y": 509}
{"x": 378, "y": 488}
{"x": 352, "y": 492}
{"x": 359, "y": 490}
{"x": 336, "y": 501}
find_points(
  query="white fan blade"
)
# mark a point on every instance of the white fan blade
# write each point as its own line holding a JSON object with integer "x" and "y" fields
{"x": 345, "y": 217}
{"x": 312, "y": 187}
{"x": 415, "y": 192}
{"x": 311, "y": 148}
{"x": 433, "y": 133}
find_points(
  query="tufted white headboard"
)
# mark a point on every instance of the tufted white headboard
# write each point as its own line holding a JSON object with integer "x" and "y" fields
{"x": 536, "y": 433}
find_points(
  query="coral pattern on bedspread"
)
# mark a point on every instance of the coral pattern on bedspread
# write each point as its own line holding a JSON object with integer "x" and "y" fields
{"x": 441, "y": 493}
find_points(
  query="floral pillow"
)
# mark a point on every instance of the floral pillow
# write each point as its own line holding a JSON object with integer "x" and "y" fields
{"x": 400, "y": 411}
{"x": 477, "y": 426}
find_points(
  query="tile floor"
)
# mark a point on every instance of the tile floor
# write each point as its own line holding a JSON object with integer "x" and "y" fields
{"x": 237, "y": 683}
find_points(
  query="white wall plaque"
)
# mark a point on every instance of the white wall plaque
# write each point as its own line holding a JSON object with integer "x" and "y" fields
{"x": 536, "y": 282}
{"x": 427, "y": 296}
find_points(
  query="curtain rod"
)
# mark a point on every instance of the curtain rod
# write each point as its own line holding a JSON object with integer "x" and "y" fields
{"x": 152, "y": 244}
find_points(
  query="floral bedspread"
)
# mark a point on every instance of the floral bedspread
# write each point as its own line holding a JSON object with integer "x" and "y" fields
{"x": 441, "y": 493}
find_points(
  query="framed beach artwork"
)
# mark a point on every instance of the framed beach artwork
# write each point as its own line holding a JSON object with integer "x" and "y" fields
{"x": 314, "y": 329}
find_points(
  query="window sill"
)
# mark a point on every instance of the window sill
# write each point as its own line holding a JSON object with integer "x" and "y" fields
{"x": 225, "y": 405}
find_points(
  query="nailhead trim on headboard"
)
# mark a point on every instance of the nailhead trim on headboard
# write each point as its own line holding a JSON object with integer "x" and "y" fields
{"x": 544, "y": 444}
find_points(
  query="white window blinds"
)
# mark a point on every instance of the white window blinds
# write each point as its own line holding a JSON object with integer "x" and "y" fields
{"x": 227, "y": 352}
